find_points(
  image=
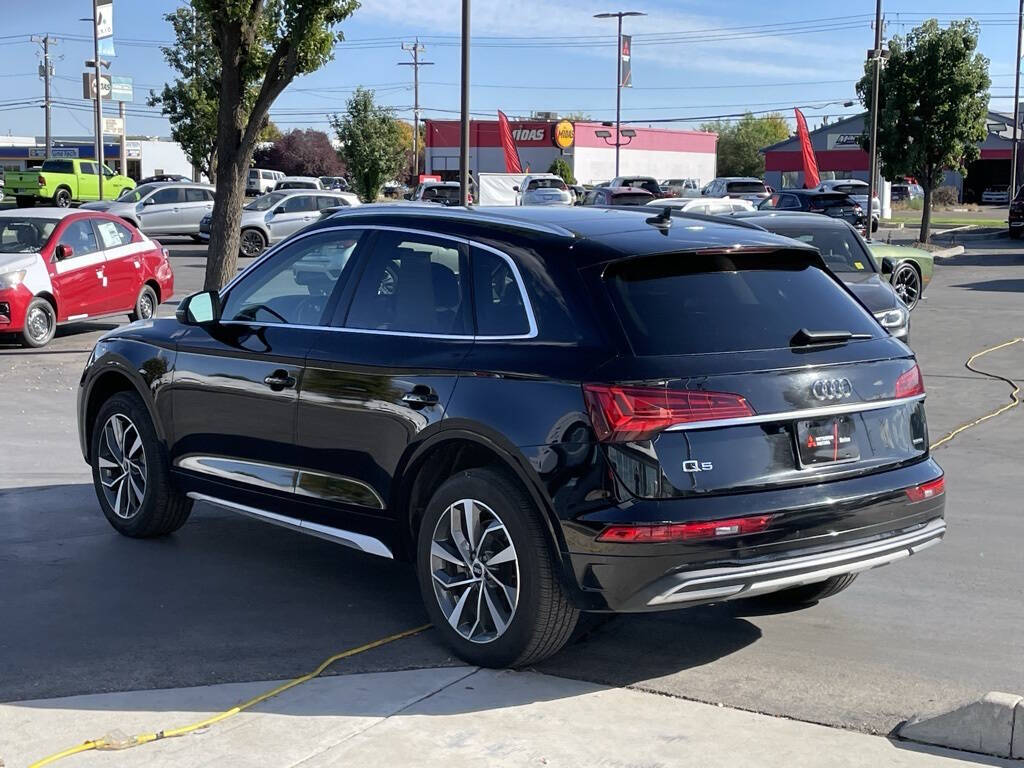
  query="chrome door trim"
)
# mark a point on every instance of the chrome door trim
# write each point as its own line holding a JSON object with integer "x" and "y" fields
{"x": 359, "y": 541}
{"x": 804, "y": 413}
{"x": 284, "y": 479}
{"x": 520, "y": 284}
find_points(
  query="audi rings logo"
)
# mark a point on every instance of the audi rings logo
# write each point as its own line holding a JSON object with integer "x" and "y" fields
{"x": 831, "y": 389}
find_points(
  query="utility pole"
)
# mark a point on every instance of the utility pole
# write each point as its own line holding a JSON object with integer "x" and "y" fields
{"x": 1016, "y": 105}
{"x": 618, "y": 76}
{"x": 98, "y": 96}
{"x": 876, "y": 54}
{"x": 464, "y": 139}
{"x": 124, "y": 138}
{"x": 46, "y": 72}
{"x": 416, "y": 49}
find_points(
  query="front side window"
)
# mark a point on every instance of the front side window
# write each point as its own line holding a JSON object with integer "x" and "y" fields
{"x": 499, "y": 304}
{"x": 167, "y": 196}
{"x": 299, "y": 204}
{"x": 88, "y": 169}
{"x": 295, "y": 284}
{"x": 81, "y": 238}
{"x": 413, "y": 283}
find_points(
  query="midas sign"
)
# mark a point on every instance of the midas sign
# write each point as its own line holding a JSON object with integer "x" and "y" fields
{"x": 563, "y": 134}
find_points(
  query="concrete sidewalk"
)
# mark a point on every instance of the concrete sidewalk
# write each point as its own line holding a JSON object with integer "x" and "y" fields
{"x": 443, "y": 717}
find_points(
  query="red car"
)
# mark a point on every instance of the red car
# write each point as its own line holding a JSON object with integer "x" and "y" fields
{"x": 60, "y": 265}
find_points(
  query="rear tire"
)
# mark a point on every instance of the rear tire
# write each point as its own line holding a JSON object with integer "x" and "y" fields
{"x": 514, "y": 611}
{"x": 132, "y": 476}
{"x": 808, "y": 594}
{"x": 253, "y": 243}
{"x": 40, "y": 323}
{"x": 145, "y": 305}
{"x": 62, "y": 197}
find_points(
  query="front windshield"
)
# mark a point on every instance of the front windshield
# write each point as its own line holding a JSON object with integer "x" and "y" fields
{"x": 265, "y": 202}
{"x": 840, "y": 247}
{"x": 136, "y": 195}
{"x": 25, "y": 235}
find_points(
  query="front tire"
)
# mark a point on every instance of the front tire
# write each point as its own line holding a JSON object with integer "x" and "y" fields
{"x": 40, "y": 323}
{"x": 487, "y": 577}
{"x": 906, "y": 280}
{"x": 131, "y": 473}
{"x": 145, "y": 305}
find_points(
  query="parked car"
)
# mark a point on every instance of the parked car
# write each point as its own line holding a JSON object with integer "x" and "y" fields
{"x": 648, "y": 183}
{"x": 444, "y": 192}
{"x": 543, "y": 189}
{"x": 858, "y": 191}
{"x": 578, "y": 192}
{"x": 618, "y": 196}
{"x": 1016, "y": 218}
{"x": 847, "y": 256}
{"x": 274, "y": 216}
{"x": 171, "y": 177}
{"x": 743, "y": 187}
{"x": 334, "y": 182}
{"x": 298, "y": 182}
{"x": 998, "y": 193}
{"x": 910, "y": 272}
{"x": 62, "y": 182}
{"x": 906, "y": 191}
{"x": 567, "y": 442}
{"x": 706, "y": 205}
{"x": 59, "y": 265}
{"x": 680, "y": 187}
{"x": 834, "y": 204}
{"x": 174, "y": 208}
{"x": 260, "y": 181}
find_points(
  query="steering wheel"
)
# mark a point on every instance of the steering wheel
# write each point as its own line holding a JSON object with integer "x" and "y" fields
{"x": 249, "y": 313}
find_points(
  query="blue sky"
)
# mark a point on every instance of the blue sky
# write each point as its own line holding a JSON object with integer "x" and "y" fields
{"x": 691, "y": 58}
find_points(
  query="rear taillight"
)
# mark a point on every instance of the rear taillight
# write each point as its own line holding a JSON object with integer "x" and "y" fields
{"x": 909, "y": 383}
{"x": 709, "y": 529}
{"x": 40, "y": 181}
{"x": 927, "y": 490}
{"x": 816, "y": 210}
{"x": 638, "y": 413}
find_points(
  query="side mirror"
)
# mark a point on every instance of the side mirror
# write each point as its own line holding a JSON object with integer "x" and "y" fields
{"x": 149, "y": 201}
{"x": 515, "y": 187}
{"x": 887, "y": 266}
{"x": 64, "y": 252}
{"x": 201, "y": 308}
{"x": 279, "y": 209}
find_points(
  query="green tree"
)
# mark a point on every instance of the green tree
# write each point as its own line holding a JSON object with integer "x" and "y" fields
{"x": 372, "y": 143}
{"x": 561, "y": 168}
{"x": 933, "y": 104}
{"x": 259, "y": 47}
{"x": 740, "y": 143}
{"x": 578, "y": 117}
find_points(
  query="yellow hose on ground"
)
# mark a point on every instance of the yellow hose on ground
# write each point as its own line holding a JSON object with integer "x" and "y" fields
{"x": 1014, "y": 395}
{"x": 113, "y": 743}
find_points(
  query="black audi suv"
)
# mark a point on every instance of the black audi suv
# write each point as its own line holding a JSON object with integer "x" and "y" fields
{"x": 550, "y": 410}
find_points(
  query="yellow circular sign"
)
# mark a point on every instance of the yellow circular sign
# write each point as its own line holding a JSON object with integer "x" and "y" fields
{"x": 563, "y": 134}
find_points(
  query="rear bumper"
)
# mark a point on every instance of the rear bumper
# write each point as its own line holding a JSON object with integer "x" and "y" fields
{"x": 734, "y": 582}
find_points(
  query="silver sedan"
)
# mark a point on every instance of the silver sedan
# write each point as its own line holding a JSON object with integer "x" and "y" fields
{"x": 170, "y": 208}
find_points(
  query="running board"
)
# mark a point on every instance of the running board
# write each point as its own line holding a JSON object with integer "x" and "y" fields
{"x": 359, "y": 541}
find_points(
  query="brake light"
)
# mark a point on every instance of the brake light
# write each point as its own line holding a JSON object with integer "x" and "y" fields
{"x": 909, "y": 383}
{"x": 708, "y": 529}
{"x": 41, "y": 181}
{"x": 638, "y": 413}
{"x": 927, "y": 490}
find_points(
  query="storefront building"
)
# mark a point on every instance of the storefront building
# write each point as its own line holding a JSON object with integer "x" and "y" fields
{"x": 144, "y": 157}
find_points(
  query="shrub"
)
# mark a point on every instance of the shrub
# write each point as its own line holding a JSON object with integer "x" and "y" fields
{"x": 561, "y": 168}
{"x": 946, "y": 196}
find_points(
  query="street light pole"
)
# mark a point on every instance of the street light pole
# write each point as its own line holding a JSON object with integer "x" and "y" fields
{"x": 1016, "y": 105}
{"x": 618, "y": 76}
{"x": 876, "y": 53}
{"x": 464, "y": 140}
{"x": 99, "y": 96}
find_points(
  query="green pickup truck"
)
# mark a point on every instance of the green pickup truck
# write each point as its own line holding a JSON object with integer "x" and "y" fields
{"x": 63, "y": 182}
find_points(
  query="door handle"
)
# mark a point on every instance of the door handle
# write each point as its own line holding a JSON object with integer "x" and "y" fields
{"x": 420, "y": 397}
{"x": 279, "y": 379}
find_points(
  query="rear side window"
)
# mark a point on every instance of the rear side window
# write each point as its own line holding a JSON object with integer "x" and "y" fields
{"x": 500, "y": 310}
{"x": 59, "y": 166}
{"x": 831, "y": 201}
{"x": 413, "y": 283}
{"x": 680, "y": 304}
{"x": 745, "y": 187}
{"x": 113, "y": 233}
{"x": 193, "y": 195}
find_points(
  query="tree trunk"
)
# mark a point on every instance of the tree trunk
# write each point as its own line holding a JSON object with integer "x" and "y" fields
{"x": 926, "y": 211}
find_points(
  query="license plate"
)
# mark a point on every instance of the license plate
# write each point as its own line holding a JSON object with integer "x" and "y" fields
{"x": 826, "y": 441}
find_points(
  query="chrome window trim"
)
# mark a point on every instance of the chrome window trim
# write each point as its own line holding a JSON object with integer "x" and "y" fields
{"x": 527, "y": 304}
{"x": 359, "y": 541}
{"x": 804, "y": 413}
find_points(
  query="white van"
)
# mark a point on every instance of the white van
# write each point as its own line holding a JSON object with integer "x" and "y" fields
{"x": 260, "y": 181}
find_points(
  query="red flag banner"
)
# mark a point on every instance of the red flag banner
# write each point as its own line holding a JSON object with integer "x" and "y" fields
{"x": 811, "y": 179}
{"x": 508, "y": 143}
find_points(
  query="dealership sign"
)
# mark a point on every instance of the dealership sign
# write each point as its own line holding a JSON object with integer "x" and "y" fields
{"x": 89, "y": 86}
{"x": 843, "y": 141}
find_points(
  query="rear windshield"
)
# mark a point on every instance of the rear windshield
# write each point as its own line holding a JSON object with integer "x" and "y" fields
{"x": 832, "y": 201}
{"x": 851, "y": 189}
{"x": 546, "y": 184}
{"x": 631, "y": 198}
{"x": 745, "y": 187}
{"x": 441, "y": 193}
{"x": 683, "y": 304}
{"x": 58, "y": 166}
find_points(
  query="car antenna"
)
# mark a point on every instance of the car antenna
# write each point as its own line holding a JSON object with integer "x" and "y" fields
{"x": 663, "y": 221}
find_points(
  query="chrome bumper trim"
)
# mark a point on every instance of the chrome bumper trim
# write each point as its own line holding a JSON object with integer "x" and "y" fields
{"x": 734, "y": 582}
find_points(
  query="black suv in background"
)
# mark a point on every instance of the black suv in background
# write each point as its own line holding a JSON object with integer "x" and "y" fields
{"x": 838, "y": 205}
{"x": 549, "y": 409}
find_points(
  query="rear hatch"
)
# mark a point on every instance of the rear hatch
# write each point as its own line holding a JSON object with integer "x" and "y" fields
{"x": 836, "y": 205}
{"x": 749, "y": 370}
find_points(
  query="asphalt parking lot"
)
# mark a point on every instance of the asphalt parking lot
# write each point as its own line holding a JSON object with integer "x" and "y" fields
{"x": 227, "y": 599}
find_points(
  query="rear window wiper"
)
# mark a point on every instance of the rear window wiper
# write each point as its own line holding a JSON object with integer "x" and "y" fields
{"x": 805, "y": 337}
